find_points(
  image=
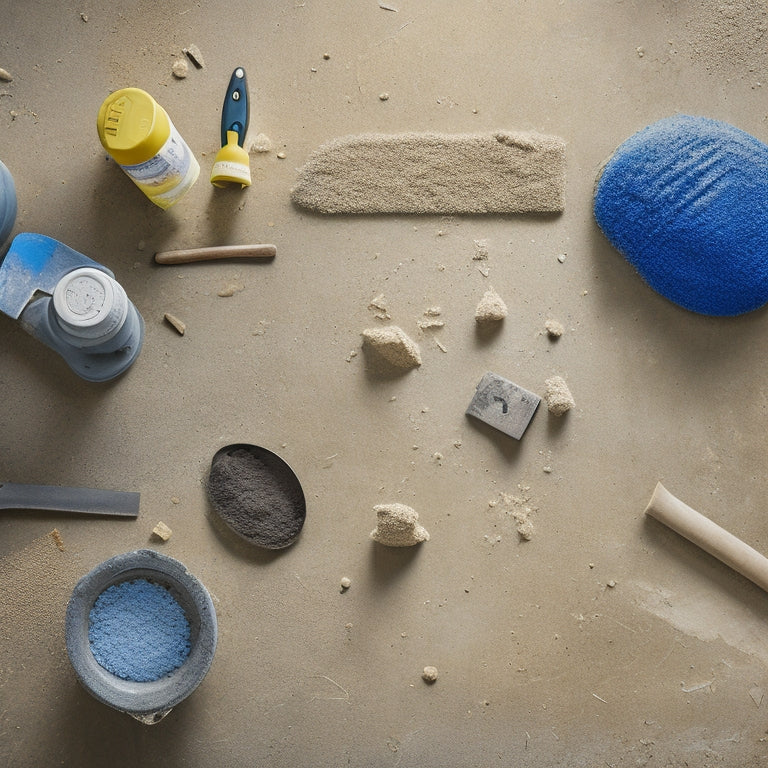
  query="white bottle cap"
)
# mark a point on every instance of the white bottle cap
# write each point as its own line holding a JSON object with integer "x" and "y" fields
{"x": 90, "y": 305}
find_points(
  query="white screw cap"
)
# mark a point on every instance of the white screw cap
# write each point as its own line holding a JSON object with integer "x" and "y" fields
{"x": 90, "y": 305}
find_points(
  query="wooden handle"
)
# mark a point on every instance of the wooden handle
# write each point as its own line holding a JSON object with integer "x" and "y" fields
{"x": 261, "y": 251}
{"x": 700, "y": 530}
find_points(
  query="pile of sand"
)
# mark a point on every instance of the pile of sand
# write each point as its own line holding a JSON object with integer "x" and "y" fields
{"x": 427, "y": 173}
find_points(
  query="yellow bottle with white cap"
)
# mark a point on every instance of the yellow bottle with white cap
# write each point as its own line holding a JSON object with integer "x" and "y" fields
{"x": 140, "y": 137}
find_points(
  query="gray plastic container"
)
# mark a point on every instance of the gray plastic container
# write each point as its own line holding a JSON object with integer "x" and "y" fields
{"x": 147, "y": 702}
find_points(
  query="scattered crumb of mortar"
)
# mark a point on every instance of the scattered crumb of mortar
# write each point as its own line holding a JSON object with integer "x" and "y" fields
{"x": 397, "y": 525}
{"x": 554, "y": 329}
{"x": 394, "y": 345}
{"x": 177, "y": 324}
{"x": 429, "y": 674}
{"x": 491, "y": 308}
{"x": 558, "y": 396}
{"x": 162, "y": 531}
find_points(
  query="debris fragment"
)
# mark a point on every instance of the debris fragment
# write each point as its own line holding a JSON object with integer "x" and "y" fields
{"x": 384, "y": 96}
{"x": 180, "y": 68}
{"x": 519, "y": 508}
{"x": 259, "y": 143}
{"x": 558, "y": 396}
{"x": 84, "y": 17}
{"x": 57, "y": 540}
{"x": 281, "y": 155}
{"x": 387, "y": 7}
{"x": 431, "y": 319}
{"x": 346, "y": 583}
{"x": 5, "y": 75}
{"x": 177, "y": 324}
{"x": 162, "y": 531}
{"x": 491, "y": 308}
{"x": 378, "y": 304}
{"x": 429, "y": 674}
{"x": 193, "y": 52}
{"x": 394, "y": 345}
{"x": 481, "y": 250}
{"x": 397, "y": 525}
{"x": 230, "y": 289}
{"x": 554, "y": 329}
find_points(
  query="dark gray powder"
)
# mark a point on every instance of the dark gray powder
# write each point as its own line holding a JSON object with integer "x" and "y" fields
{"x": 257, "y": 495}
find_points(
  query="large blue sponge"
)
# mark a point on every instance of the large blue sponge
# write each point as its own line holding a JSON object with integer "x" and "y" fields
{"x": 685, "y": 200}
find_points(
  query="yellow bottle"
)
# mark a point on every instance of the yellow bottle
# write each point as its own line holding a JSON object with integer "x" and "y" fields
{"x": 140, "y": 137}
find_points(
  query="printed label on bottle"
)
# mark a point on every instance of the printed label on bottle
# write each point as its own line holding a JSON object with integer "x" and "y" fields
{"x": 169, "y": 174}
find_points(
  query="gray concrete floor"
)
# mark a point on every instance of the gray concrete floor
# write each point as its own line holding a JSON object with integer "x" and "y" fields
{"x": 605, "y": 639}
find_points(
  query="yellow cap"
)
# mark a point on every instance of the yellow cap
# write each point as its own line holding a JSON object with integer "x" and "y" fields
{"x": 132, "y": 126}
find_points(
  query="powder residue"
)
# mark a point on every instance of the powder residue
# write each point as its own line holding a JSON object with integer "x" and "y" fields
{"x": 519, "y": 508}
{"x": 397, "y": 525}
{"x": 428, "y": 173}
{"x": 138, "y": 631}
{"x": 730, "y": 37}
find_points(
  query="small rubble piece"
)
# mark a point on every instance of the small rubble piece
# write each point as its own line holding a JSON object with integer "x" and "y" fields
{"x": 346, "y": 583}
{"x": 162, "y": 531}
{"x": 519, "y": 509}
{"x": 431, "y": 319}
{"x": 491, "y": 308}
{"x": 177, "y": 324}
{"x": 558, "y": 396}
{"x": 230, "y": 290}
{"x": 180, "y": 68}
{"x": 429, "y": 675}
{"x": 57, "y": 540}
{"x": 481, "y": 250}
{"x": 5, "y": 75}
{"x": 393, "y": 345}
{"x": 259, "y": 144}
{"x": 397, "y": 525}
{"x": 84, "y": 17}
{"x": 503, "y": 405}
{"x": 193, "y": 52}
{"x": 554, "y": 329}
{"x": 380, "y": 308}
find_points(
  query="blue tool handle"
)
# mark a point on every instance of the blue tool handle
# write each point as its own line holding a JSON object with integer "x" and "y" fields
{"x": 236, "y": 111}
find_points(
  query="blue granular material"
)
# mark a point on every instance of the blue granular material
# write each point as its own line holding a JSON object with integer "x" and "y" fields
{"x": 685, "y": 200}
{"x": 138, "y": 631}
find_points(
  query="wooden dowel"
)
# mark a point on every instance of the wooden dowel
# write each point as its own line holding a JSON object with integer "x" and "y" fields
{"x": 700, "y": 530}
{"x": 260, "y": 251}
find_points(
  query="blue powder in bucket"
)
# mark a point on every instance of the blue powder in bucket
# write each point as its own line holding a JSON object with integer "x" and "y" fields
{"x": 138, "y": 631}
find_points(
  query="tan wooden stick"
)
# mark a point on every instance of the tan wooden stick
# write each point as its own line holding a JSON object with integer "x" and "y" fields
{"x": 260, "y": 251}
{"x": 700, "y": 530}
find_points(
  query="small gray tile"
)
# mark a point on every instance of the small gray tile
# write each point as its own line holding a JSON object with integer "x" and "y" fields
{"x": 503, "y": 405}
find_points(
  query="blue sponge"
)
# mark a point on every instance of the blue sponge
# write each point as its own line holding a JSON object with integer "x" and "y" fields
{"x": 685, "y": 200}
